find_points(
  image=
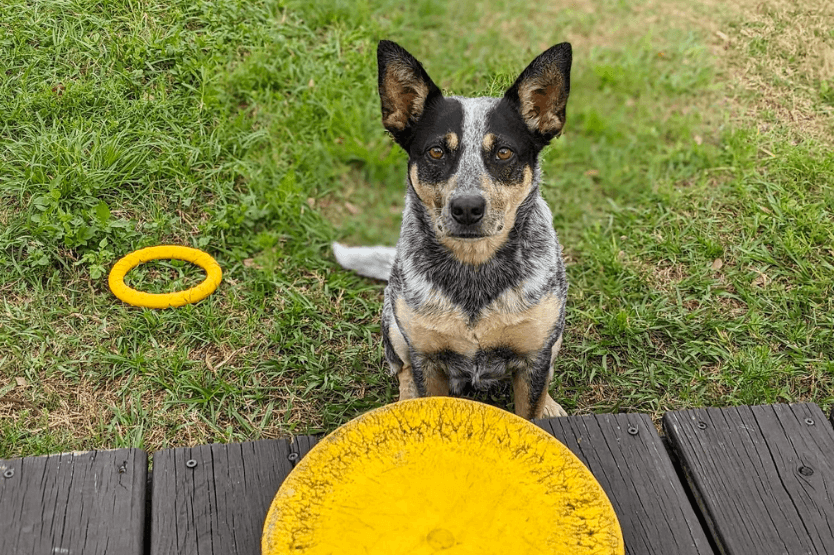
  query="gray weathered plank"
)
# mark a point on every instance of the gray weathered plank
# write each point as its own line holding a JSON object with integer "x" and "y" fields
{"x": 74, "y": 503}
{"x": 628, "y": 459}
{"x": 764, "y": 475}
{"x": 213, "y": 499}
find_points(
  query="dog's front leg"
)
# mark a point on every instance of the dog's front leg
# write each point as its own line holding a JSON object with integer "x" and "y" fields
{"x": 399, "y": 359}
{"x": 408, "y": 389}
{"x": 430, "y": 376}
{"x": 527, "y": 403}
{"x": 429, "y": 380}
{"x": 530, "y": 390}
{"x": 432, "y": 381}
{"x": 435, "y": 379}
{"x": 397, "y": 352}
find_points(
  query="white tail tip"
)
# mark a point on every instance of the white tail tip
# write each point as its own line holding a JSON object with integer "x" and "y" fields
{"x": 372, "y": 262}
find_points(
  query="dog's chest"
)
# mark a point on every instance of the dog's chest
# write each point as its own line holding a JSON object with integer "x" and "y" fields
{"x": 510, "y": 322}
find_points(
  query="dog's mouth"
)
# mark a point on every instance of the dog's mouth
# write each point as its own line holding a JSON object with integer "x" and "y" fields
{"x": 460, "y": 234}
{"x": 466, "y": 235}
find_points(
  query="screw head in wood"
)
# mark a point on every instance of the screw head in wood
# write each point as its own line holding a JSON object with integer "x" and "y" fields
{"x": 809, "y": 421}
{"x": 633, "y": 430}
{"x": 292, "y": 457}
{"x": 702, "y": 425}
{"x": 806, "y": 470}
{"x": 190, "y": 463}
{"x": 8, "y": 473}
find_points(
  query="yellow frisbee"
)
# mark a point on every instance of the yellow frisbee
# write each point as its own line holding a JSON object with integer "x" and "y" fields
{"x": 116, "y": 280}
{"x": 441, "y": 476}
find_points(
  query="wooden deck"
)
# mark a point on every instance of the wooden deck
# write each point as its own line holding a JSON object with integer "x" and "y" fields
{"x": 737, "y": 481}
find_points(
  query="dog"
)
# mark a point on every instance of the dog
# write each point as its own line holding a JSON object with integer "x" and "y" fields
{"x": 476, "y": 285}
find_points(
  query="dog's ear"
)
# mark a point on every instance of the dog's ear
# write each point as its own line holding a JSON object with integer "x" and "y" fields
{"x": 541, "y": 91}
{"x": 404, "y": 89}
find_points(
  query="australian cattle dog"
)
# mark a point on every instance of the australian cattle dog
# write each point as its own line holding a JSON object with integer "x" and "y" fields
{"x": 476, "y": 285}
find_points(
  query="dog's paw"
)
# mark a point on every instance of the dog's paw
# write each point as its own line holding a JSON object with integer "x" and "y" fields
{"x": 552, "y": 408}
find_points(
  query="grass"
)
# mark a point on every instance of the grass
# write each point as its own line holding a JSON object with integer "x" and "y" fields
{"x": 696, "y": 216}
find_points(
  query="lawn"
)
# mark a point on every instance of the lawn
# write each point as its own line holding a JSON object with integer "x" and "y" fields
{"x": 693, "y": 191}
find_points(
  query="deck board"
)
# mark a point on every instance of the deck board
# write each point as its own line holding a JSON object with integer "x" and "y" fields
{"x": 763, "y": 475}
{"x": 628, "y": 459}
{"x": 74, "y": 503}
{"x": 212, "y": 499}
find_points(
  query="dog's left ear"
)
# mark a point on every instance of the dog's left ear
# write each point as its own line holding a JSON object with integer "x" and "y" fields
{"x": 541, "y": 91}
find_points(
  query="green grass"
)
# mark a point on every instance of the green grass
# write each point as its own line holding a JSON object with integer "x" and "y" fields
{"x": 700, "y": 251}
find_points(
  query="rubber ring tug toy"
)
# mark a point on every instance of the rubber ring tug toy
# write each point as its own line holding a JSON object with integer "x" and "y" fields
{"x": 116, "y": 279}
{"x": 441, "y": 475}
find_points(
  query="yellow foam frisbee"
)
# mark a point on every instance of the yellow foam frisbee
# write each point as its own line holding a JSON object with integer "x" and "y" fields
{"x": 441, "y": 476}
{"x": 116, "y": 280}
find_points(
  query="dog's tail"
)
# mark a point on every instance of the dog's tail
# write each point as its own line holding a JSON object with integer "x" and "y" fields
{"x": 373, "y": 262}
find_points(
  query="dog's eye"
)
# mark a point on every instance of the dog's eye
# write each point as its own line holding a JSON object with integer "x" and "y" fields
{"x": 504, "y": 153}
{"x": 436, "y": 152}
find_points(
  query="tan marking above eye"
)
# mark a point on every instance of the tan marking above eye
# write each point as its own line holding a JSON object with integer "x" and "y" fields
{"x": 436, "y": 152}
{"x": 504, "y": 153}
{"x": 489, "y": 140}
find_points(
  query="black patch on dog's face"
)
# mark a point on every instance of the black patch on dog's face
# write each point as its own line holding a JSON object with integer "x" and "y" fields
{"x": 510, "y": 131}
{"x": 445, "y": 116}
{"x": 441, "y": 126}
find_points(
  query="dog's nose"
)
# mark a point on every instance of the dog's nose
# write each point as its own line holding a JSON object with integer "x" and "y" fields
{"x": 468, "y": 210}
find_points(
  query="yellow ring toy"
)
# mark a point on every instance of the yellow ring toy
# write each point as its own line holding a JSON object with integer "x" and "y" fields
{"x": 441, "y": 475}
{"x": 116, "y": 280}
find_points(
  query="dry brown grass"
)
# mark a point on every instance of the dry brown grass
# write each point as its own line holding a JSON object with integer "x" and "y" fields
{"x": 772, "y": 56}
{"x": 82, "y": 411}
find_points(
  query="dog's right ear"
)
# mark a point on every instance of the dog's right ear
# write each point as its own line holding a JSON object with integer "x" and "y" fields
{"x": 404, "y": 89}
